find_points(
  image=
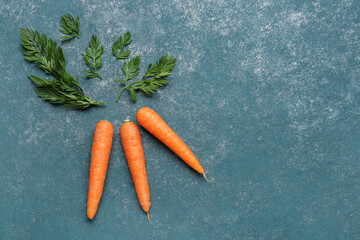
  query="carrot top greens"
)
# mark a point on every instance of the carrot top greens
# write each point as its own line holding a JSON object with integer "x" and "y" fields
{"x": 120, "y": 44}
{"x": 92, "y": 57}
{"x": 69, "y": 26}
{"x": 64, "y": 89}
{"x": 154, "y": 77}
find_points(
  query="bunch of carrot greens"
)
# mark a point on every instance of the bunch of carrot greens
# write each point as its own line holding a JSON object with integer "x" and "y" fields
{"x": 64, "y": 87}
{"x": 132, "y": 146}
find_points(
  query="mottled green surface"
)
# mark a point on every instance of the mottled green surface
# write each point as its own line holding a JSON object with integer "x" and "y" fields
{"x": 265, "y": 92}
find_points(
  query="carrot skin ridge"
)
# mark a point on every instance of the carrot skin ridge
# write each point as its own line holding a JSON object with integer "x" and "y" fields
{"x": 100, "y": 154}
{"x": 134, "y": 153}
{"x": 153, "y": 123}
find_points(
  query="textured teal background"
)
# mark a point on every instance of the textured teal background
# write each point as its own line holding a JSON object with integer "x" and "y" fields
{"x": 266, "y": 93}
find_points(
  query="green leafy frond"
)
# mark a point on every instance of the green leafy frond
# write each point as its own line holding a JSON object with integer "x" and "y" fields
{"x": 39, "y": 49}
{"x": 154, "y": 78}
{"x": 162, "y": 68}
{"x": 92, "y": 57}
{"x": 131, "y": 68}
{"x": 49, "y": 57}
{"x": 120, "y": 44}
{"x": 57, "y": 93}
{"x": 69, "y": 26}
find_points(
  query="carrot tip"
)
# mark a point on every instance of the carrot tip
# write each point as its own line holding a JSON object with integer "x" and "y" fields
{"x": 91, "y": 217}
{"x": 148, "y": 216}
{"x": 208, "y": 179}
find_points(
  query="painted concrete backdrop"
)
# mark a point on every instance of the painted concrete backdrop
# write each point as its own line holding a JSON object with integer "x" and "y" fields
{"x": 266, "y": 93}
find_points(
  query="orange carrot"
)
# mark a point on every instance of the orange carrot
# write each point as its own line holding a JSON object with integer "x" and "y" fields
{"x": 99, "y": 161}
{"x": 134, "y": 153}
{"x": 152, "y": 122}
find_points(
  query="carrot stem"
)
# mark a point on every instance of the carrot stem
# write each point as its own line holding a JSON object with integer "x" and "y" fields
{"x": 117, "y": 100}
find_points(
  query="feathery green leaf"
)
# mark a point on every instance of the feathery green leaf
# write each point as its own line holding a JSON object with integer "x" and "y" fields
{"x": 120, "y": 44}
{"x": 153, "y": 79}
{"x": 69, "y": 26}
{"x": 92, "y": 57}
{"x": 49, "y": 57}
